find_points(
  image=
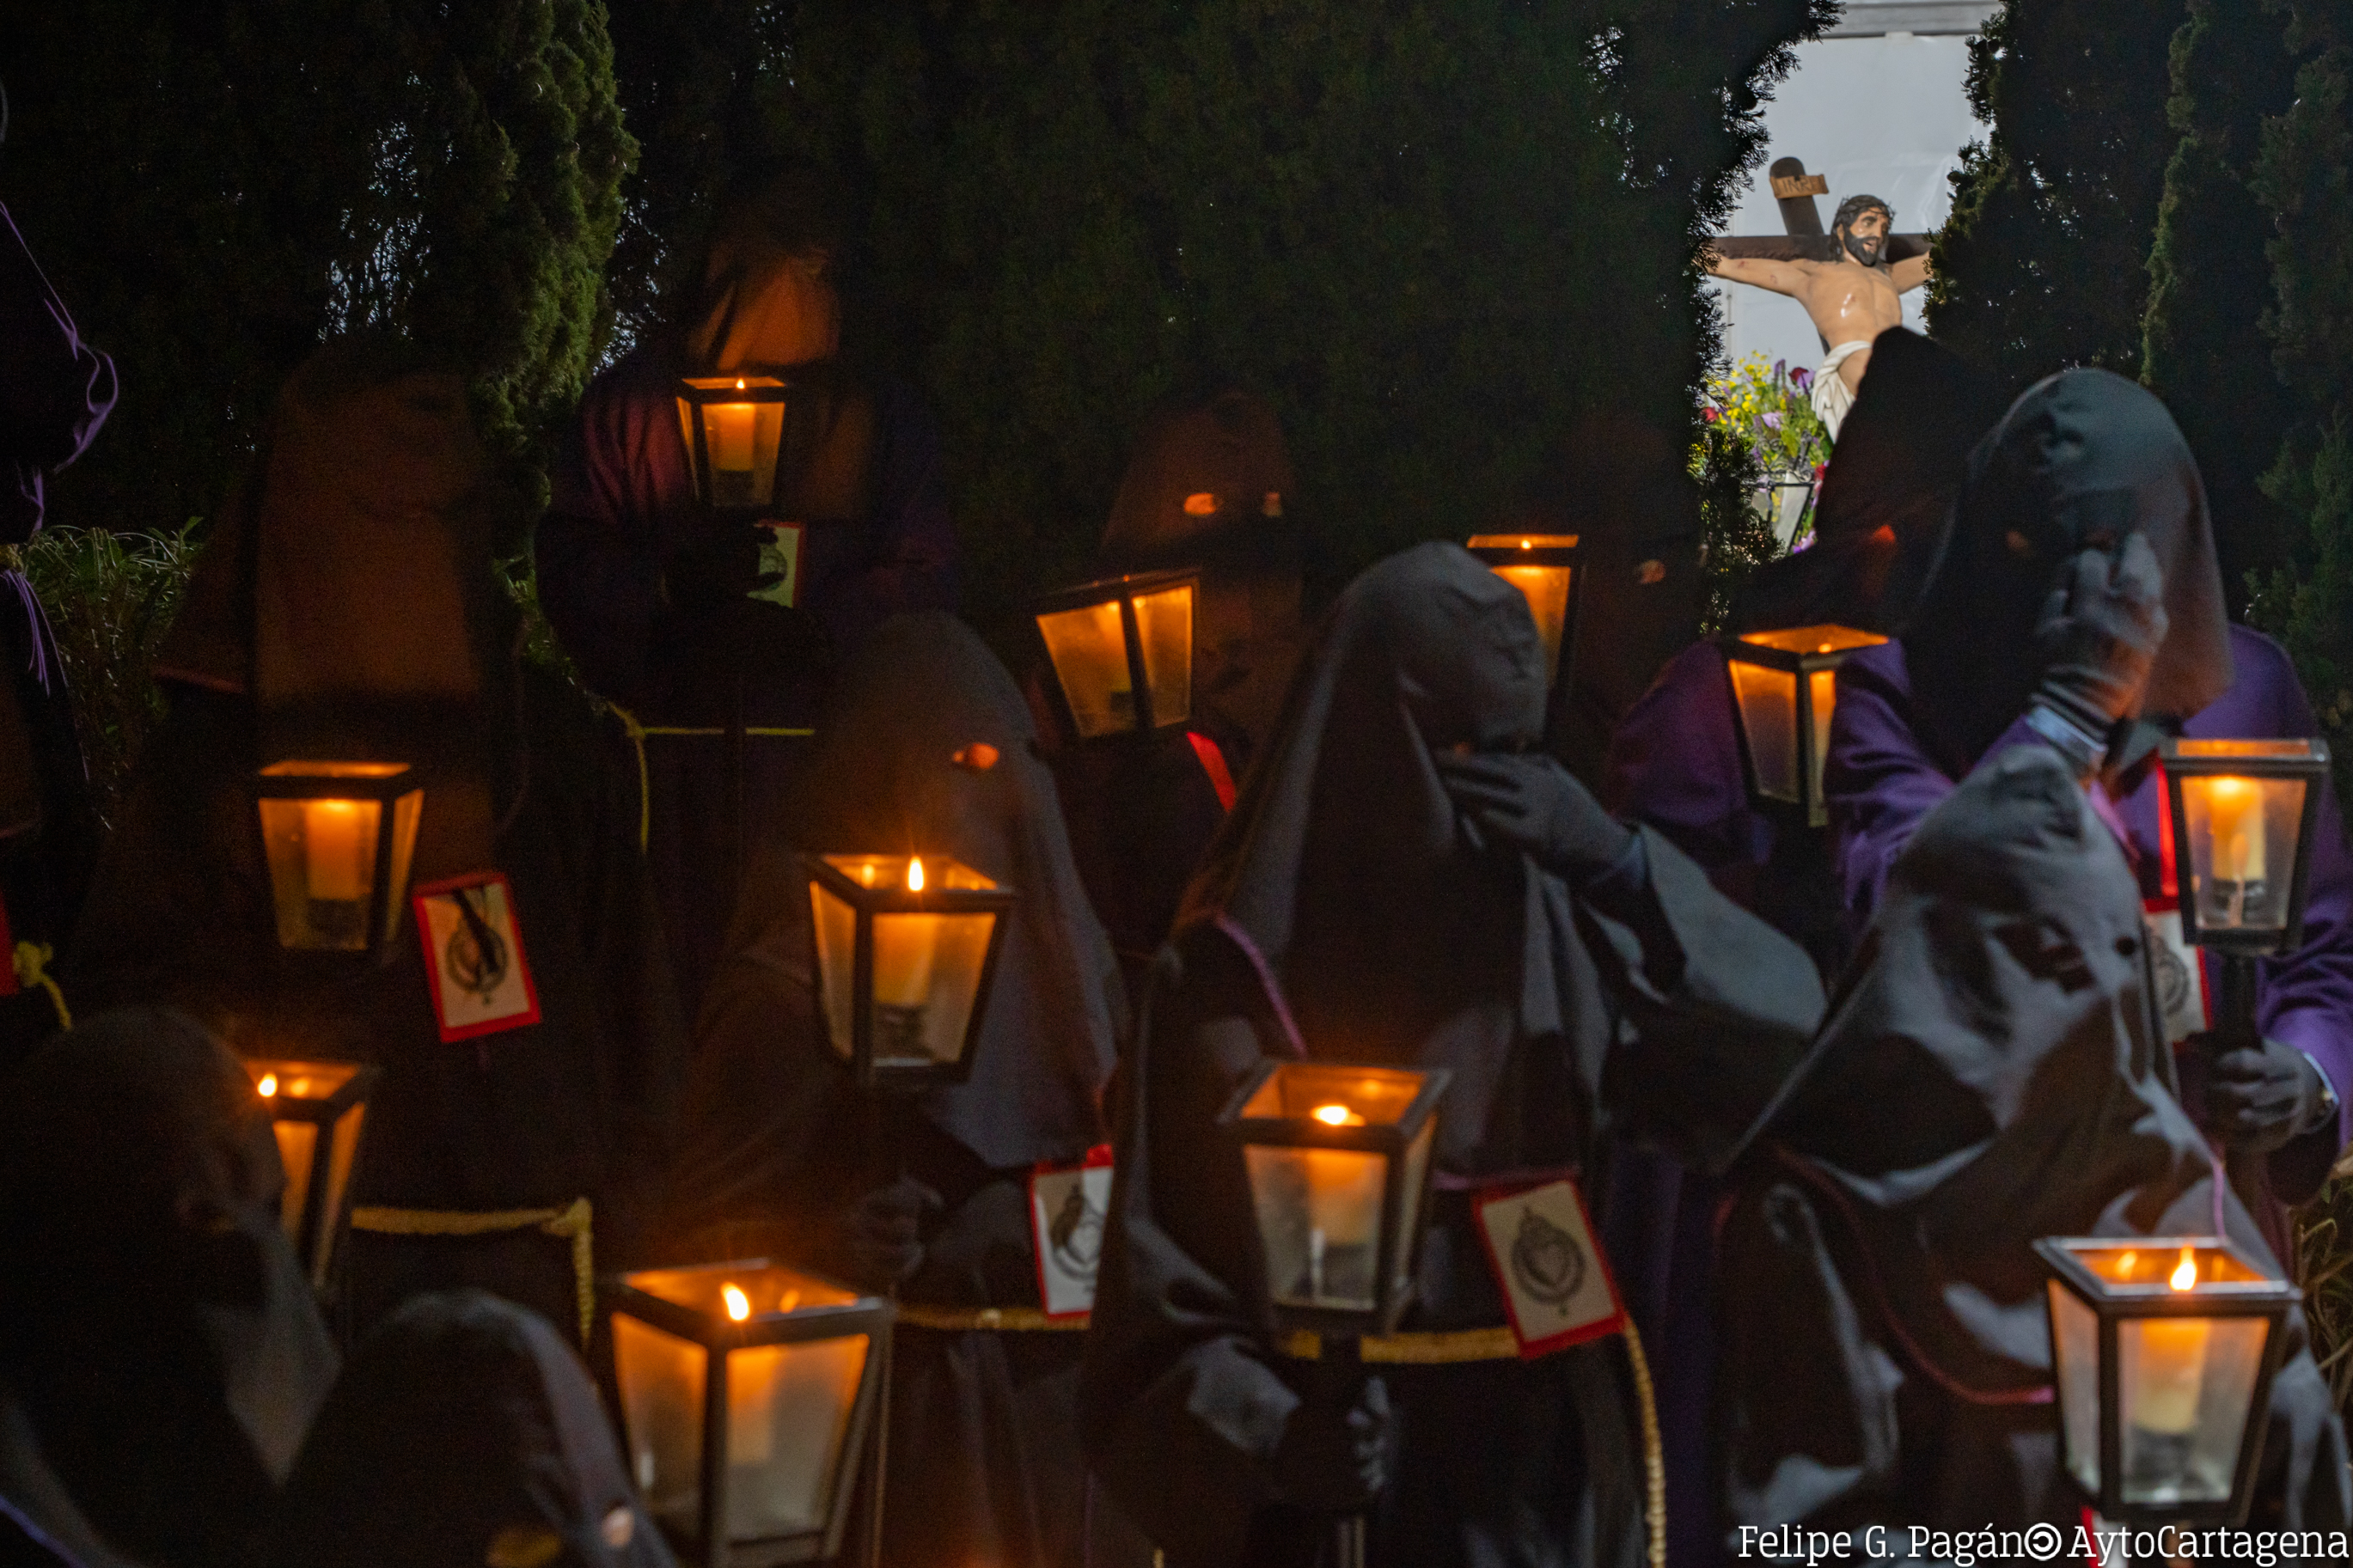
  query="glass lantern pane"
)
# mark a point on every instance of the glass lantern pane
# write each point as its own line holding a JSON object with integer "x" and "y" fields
{"x": 1546, "y": 588}
{"x": 1297, "y": 1091}
{"x": 662, "y": 1379}
{"x": 407, "y": 812}
{"x": 926, "y": 976}
{"x": 837, "y": 958}
{"x": 298, "y": 1141}
{"x": 1090, "y": 654}
{"x": 1416, "y": 1165}
{"x": 2183, "y": 1388}
{"x": 321, "y": 870}
{"x": 1822, "y": 690}
{"x": 2242, "y": 842}
{"x": 742, "y": 439}
{"x": 1164, "y": 627}
{"x": 788, "y": 1410}
{"x": 1319, "y": 1220}
{"x": 2076, "y": 1331}
{"x": 340, "y": 1155}
{"x": 1767, "y": 699}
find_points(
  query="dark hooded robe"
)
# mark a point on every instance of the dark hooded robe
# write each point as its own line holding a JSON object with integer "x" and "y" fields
{"x": 161, "y": 1354}
{"x": 1675, "y": 763}
{"x": 1344, "y": 914}
{"x": 928, "y": 751}
{"x": 348, "y": 610}
{"x": 2082, "y": 454}
{"x": 863, "y": 473}
{"x": 1888, "y": 1359}
{"x": 56, "y": 391}
{"x": 1207, "y": 490}
{"x": 463, "y": 1432}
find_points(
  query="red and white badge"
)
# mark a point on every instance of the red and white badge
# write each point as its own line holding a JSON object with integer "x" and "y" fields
{"x": 479, "y": 976}
{"x": 1068, "y": 1207}
{"x": 2181, "y": 999}
{"x": 781, "y": 557}
{"x": 1556, "y": 1281}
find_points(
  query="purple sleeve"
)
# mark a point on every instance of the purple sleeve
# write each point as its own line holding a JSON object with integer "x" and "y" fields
{"x": 1674, "y": 763}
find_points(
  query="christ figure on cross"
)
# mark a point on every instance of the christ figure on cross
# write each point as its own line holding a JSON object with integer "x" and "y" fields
{"x": 1853, "y": 298}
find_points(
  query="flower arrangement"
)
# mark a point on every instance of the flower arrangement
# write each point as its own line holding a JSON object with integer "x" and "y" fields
{"x": 1768, "y": 407}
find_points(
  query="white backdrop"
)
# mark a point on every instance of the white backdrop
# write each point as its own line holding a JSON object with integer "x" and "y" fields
{"x": 1886, "y": 115}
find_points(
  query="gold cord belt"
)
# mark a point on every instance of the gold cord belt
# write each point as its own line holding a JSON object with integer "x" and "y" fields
{"x": 31, "y": 962}
{"x": 572, "y": 1223}
{"x": 638, "y": 733}
{"x": 999, "y": 1319}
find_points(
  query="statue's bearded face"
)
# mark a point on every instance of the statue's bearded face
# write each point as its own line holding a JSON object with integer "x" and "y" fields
{"x": 1865, "y": 239}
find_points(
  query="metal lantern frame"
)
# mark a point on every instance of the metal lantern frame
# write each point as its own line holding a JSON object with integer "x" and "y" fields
{"x": 1800, "y": 665}
{"x": 697, "y": 393}
{"x": 936, "y": 898}
{"x": 2265, "y": 1296}
{"x": 720, "y": 1336}
{"x": 1398, "y": 1253}
{"x": 399, "y": 796}
{"x": 319, "y": 1237}
{"x": 1124, "y": 591}
{"x": 2303, "y": 759}
{"x": 1500, "y": 552}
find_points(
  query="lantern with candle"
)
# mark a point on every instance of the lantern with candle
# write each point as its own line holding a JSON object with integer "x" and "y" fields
{"x": 906, "y": 947}
{"x": 1543, "y": 566}
{"x": 339, "y": 838}
{"x": 1785, "y": 688}
{"x": 2164, "y": 1349}
{"x": 317, "y": 1109}
{"x": 748, "y": 1390}
{"x": 733, "y": 426}
{"x": 2242, "y": 816}
{"x": 1121, "y": 651}
{"x": 1338, "y": 1162}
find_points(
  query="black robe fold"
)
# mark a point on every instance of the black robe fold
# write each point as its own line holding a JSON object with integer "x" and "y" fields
{"x": 1343, "y": 890}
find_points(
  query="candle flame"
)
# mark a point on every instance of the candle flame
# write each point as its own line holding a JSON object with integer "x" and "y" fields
{"x": 2185, "y": 1274}
{"x": 1336, "y": 1116}
{"x": 914, "y": 876}
{"x": 1527, "y": 544}
{"x": 268, "y": 1085}
{"x": 1824, "y": 649}
{"x": 739, "y": 1306}
{"x": 739, "y": 383}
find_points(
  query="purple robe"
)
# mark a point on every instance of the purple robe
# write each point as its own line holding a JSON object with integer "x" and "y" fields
{"x": 1884, "y": 777}
{"x": 624, "y": 501}
{"x": 55, "y": 389}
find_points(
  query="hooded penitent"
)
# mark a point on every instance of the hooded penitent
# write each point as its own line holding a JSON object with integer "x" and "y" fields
{"x": 2081, "y": 459}
{"x": 1888, "y": 1349}
{"x": 156, "y": 1334}
{"x": 464, "y": 1433}
{"x": 1346, "y": 885}
{"x": 1887, "y": 496}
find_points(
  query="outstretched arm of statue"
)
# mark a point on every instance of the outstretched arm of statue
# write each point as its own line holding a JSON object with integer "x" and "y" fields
{"x": 1909, "y": 273}
{"x": 1780, "y": 277}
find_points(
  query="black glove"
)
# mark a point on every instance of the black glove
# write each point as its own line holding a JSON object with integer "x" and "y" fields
{"x": 886, "y": 1244}
{"x": 719, "y": 563}
{"x": 2100, "y": 632}
{"x": 2259, "y": 1097}
{"x": 1333, "y": 1458}
{"x": 1531, "y": 803}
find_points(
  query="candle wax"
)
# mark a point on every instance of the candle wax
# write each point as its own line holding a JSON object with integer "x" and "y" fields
{"x": 335, "y": 849}
{"x": 2236, "y": 817}
{"x": 904, "y": 949}
{"x": 2172, "y": 1375}
{"x": 728, "y": 428}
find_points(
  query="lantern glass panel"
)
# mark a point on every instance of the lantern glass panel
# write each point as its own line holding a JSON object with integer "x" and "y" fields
{"x": 1090, "y": 654}
{"x": 1319, "y": 1219}
{"x": 1546, "y": 588}
{"x": 2183, "y": 1388}
{"x": 312, "y": 1226}
{"x": 1768, "y": 716}
{"x": 927, "y": 966}
{"x": 2075, "y": 1330}
{"x": 322, "y": 855}
{"x": 2242, "y": 833}
{"x": 742, "y": 439}
{"x": 1164, "y": 627}
{"x": 297, "y": 1143}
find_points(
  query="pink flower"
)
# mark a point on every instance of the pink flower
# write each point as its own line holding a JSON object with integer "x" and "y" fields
{"x": 1772, "y": 421}
{"x": 1708, "y": 415}
{"x": 1801, "y": 378}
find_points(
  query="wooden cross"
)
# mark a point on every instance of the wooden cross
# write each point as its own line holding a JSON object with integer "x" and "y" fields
{"x": 1803, "y": 237}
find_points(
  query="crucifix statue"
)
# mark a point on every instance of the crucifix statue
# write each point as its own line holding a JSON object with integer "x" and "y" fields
{"x": 1851, "y": 281}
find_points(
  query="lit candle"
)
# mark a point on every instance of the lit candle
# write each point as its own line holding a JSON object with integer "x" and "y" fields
{"x": 1344, "y": 1201}
{"x": 1547, "y": 590}
{"x": 729, "y": 430}
{"x": 2235, "y": 817}
{"x": 739, "y": 1306}
{"x": 904, "y": 949}
{"x": 337, "y": 841}
{"x": 2172, "y": 1363}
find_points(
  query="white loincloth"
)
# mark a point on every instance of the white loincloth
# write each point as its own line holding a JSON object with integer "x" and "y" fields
{"x": 1828, "y": 395}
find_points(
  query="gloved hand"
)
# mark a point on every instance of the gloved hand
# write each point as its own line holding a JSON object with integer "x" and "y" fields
{"x": 1532, "y": 802}
{"x": 1333, "y": 1458}
{"x": 2099, "y": 635}
{"x": 886, "y": 1244}
{"x": 719, "y": 563}
{"x": 2259, "y": 1097}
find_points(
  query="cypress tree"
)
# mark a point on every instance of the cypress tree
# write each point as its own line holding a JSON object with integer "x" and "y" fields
{"x": 2041, "y": 263}
{"x": 2210, "y": 279}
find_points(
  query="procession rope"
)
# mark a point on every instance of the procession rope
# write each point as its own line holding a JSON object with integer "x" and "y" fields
{"x": 638, "y": 733}
{"x": 31, "y": 961}
{"x": 1654, "y": 1452}
{"x": 573, "y": 1223}
{"x": 1007, "y": 1319}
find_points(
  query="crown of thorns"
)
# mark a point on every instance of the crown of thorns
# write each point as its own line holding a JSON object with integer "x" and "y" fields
{"x": 1856, "y": 206}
